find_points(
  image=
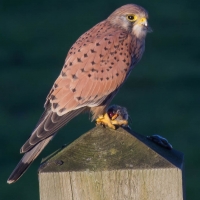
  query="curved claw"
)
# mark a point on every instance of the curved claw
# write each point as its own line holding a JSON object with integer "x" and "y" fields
{"x": 105, "y": 120}
{"x": 111, "y": 122}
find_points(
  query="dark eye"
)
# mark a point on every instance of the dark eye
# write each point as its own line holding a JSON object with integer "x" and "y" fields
{"x": 131, "y": 18}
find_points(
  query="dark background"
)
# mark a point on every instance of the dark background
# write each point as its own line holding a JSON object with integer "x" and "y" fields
{"x": 162, "y": 93}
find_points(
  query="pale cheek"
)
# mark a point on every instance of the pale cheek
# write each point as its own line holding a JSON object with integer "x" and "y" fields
{"x": 138, "y": 31}
{"x": 124, "y": 23}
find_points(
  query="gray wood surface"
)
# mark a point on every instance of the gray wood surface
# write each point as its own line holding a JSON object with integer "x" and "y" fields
{"x": 106, "y": 164}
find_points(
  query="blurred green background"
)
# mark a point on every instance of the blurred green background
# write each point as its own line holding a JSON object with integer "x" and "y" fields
{"x": 162, "y": 94}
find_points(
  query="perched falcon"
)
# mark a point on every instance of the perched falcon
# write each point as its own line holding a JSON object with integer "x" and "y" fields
{"x": 95, "y": 68}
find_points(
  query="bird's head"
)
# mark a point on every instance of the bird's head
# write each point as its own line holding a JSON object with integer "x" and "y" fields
{"x": 132, "y": 18}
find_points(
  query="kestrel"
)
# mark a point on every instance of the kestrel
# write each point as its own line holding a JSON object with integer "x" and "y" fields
{"x": 95, "y": 68}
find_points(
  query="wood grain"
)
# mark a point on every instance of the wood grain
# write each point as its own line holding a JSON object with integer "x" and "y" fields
{"x": 106, "y": 164}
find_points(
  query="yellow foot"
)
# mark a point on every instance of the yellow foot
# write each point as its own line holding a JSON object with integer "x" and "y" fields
{"x": 116, "y": 120}
{"x": 105, "y": 120}
{"x": 112, "y": 121}
{"x": 120, "y": 122}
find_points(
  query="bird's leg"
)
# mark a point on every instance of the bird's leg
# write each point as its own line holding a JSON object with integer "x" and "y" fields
{"x": 105, "y": 120}
{"x": 118, "y": 122}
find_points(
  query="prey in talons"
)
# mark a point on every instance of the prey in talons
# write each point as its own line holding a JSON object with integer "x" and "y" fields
{"x": 114, "y": 117}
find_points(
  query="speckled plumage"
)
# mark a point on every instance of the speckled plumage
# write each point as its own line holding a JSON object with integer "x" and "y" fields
{"x": 96, "y": 65}
{"x": 95, "y": 68}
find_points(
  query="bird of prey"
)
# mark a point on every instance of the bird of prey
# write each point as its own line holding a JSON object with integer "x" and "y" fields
{"x": 95, "y": 68}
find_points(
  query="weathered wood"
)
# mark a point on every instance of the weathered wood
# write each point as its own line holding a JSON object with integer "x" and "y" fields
{"x": 106, "y": 164}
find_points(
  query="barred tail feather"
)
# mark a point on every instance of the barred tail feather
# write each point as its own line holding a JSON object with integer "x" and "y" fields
{"x": 26, "y": 160}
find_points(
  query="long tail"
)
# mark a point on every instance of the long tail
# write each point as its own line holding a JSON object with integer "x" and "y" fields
{"x": 46, "y": 128}
{"x": 26, "y": 160}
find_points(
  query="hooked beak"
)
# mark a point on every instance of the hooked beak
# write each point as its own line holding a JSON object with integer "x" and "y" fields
{"x": 144, "y": 23}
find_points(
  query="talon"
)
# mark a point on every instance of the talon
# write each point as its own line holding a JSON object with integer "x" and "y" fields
{"x": 99, "y": 119}
{"x": 120, "y": 122}
{"x": 105, "y": 120}
{"x": 114, "y": 116}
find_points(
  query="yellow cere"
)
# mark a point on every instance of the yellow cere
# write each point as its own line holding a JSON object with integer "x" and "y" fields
{"x": 142, "y": 20}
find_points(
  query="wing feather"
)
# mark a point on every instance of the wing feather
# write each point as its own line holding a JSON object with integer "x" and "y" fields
{"x": 47, "y": 128}
{"x": 93, "y": 69}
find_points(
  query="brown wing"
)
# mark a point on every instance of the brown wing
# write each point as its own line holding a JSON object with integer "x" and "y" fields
{"x": 96, "y": 65}
{"x": 47, "y": 126}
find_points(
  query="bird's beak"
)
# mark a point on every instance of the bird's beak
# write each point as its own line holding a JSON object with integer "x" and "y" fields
{"x": 143, "y": 21}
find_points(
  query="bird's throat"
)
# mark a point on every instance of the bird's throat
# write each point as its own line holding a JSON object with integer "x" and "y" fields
{"x": 139, "y": 31}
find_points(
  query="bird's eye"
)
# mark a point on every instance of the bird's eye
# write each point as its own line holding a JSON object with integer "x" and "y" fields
{"x": 131, "y": 18}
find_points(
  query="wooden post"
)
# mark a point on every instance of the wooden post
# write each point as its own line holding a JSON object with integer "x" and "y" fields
{"x": 105, "y": 164}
